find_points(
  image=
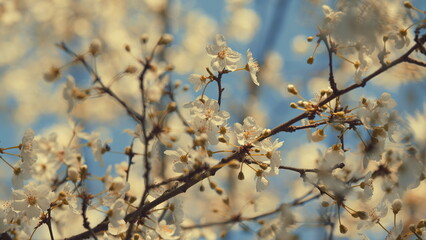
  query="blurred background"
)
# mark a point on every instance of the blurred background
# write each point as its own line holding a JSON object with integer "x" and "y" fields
{"x": 274, "y": 30}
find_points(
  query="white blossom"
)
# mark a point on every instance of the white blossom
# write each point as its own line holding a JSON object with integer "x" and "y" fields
{"x": 247, "y": 132}
{"x": 33, "y": 200}
{"x": 252, "y": 67}
{"x": 197, "y": 80}
{"x": 223, "y": 57}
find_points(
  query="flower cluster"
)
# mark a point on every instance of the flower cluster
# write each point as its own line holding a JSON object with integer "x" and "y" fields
{"x": 359, "y": 171}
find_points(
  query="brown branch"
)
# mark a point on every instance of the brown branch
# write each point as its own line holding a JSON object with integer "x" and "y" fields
{"x": 182, "y": 178}
{"x": 102, "y": 226}
{"x": 417, "y": 62}
{"x": 49, "y": 223}
{"x": 130, "y": 155}
{"x": 86, "y": 223}
{"x": 285, "y": 127}
{"x": 144, "y": 208}
{"x": 330, "y": 49}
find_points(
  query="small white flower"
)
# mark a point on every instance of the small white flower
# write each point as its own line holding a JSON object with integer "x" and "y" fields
{"x": 261, "y": 181}
{"x": 69, "y": 198}
{"x": 395, "y": 232}
{"x": 318, "y": 135}
{"x": 334, "y": 155}
{"x": 6, "y": 215}
{"x": 116, "y": 189}
{"x": 21, "y": 172}
{"x": 116, "y": 213}
{"x": 253, "y": 67}
{"x": 247, "y": 132}
{"x": 198, "y": 81}
{"x": 27, "y": 146}
{"x": 166, "y": 231}
{"x": 182, "y": 160}
{"x": 33, "y": 200}
{"x": 362, "y": 65}
{"x": 223, "y": 56}
{"x": 273, "y": 155}
{"x": 72, "y": 94}
{"x": 177, "y": 210}
{"x": 367, "y": 185}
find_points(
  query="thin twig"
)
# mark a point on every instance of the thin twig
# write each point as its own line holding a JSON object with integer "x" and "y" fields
{"x": 330, "y": 51}
{"x": 144, "y": 209}
{"x": 49, "y": 223}
{"x": 132, "y": 113}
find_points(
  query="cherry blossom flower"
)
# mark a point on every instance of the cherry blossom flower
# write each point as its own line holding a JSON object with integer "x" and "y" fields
{"x": 182, "y": 160}
{"x": 198, "y": 81}
{"x": 247, "y": 132}
{"x": 253, "y": 67}
{"x": 6, "y": 215}
{"x": 115, "y": 190}
{"x": 207, "y": 118}
{"x": 72, "y": 94}
{"x": 330, "y": 17}
{"x": 28, "y": 146}
{"x": 166, "y": 231}
{"x": 20, "y": 173}
{"x": 33, "y": 200}
{"x": 272, "y": 154}
{"x": 417, "y": 125}
{"x": 95, "y": 144}
{"x": 377, "y": 213}
{"x": 69, "y": 198}
{"x": 334, "y": 155}
{"x": 223, "y": 57}
{"x": 367, "y": 185}
{"x": 318, "y": 135}
{"x": 261, "y": 181}
{"x": 362, "y": 65}
{"x": 395, "y": 232}
{"x": 116, "y": 215}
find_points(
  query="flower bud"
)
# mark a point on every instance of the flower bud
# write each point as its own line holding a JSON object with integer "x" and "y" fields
{"x": 144, "y": 38}
{"x": 396, "y": 206}
{"x": 318, "y": 135}
{"x": 310, "y": 60}
{"x": 310, "y": 38}
{"x": 95, "y": 47}
{"x": 408, "y": 4}
{"x": 343, "y": 229}
{"x": 131, "y": 69}
{"x": 73, "y": 174}
{"x": 293, "y": 105}
{"x": 221, "y": 139}
{"x": 412, "y": 227}
{"x": 171, "y": 107}
{"x": 177, "y": 83}
{"x": 165, "y": 39}
{"x": 53, "y": 74}
{"x": 362, "y": 215}
{"x": 292, "y": 89}
{"x": 127, "y": 48}
{"x": 357, "y": 64}
{"x": 240, "y": 176}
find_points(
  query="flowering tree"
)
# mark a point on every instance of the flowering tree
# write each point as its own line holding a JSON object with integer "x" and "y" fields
{"x": 191, "y": 160}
